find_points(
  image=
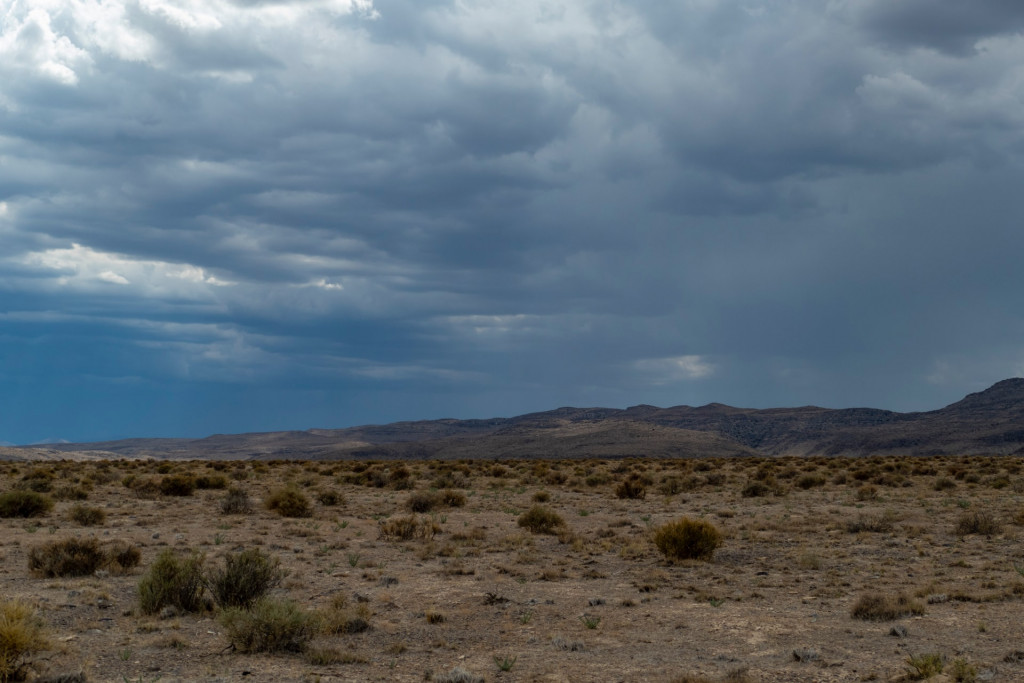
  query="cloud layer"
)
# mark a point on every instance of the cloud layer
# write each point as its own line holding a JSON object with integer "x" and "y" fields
{"x": 228, "y": 216}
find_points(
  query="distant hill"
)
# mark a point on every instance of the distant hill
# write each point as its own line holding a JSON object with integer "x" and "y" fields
{"x": 988, "y": 422}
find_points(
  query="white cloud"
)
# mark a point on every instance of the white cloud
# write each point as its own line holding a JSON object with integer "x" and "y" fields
{"x": 674, "y": 368}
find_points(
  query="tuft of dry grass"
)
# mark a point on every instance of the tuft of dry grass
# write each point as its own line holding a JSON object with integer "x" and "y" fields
{"x": 880, "y": 607}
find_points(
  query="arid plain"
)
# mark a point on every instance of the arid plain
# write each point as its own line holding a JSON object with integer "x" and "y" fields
{"x": 828, "y": 569}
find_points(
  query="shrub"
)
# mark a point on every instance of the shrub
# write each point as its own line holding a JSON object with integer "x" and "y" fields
{"x": 21, "y": 636}
{"x": 236, "y": 502}
{"x": 244, "y": 579}
{"x": 330, "y": 498}
{"x": 810, "y": 481}
{"x": 540, "y": 520}
{"x": 632, "y": 489}
{"x": 71, "y": 493}
{"x": 981, "y": 523}
{"x": 212, "y": 481}
{"x": 172, "y": 582}
{"x": 878, "y": 607}
{"x": 70, "y": 557}
{"x": 422, "y": 501}
{"x": 289, "y": 502}
{"x": 270, "y": 626}
{"x": 924, "y": 666}
{"x": 122, "y": 556}
{"x": 338, "y": 617}
{"x": 178, "y": 485}
{"x": 408, "y": 528}
{"x": 87, "y": 516}
{"x": 453, "y": 499}
{"x": 755, "y": 489}
{"x": 19, "y": 503}
{"x": 688, "y": 539}
{"x": 541, "y": 497}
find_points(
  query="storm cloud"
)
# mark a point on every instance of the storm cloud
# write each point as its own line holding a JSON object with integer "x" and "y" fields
{"x": 239, "y": 216}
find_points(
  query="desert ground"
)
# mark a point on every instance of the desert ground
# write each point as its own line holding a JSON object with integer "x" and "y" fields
{"x": 836, "y": 569}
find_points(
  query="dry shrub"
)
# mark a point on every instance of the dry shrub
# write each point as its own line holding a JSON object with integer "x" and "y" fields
{"x": 178, "y": 485}
{"x": 20, "y": 503}
{"x": 879, "y": 607}
{"x": 631, "y": 489}
{"x": 978, "y": 522}
{"x": 236, "y": 502}
{"x": 272, "y": 625}
{"x": 70, "y": 557}
{"x": 340, "y": 618}
{"x": 87, "y": 516}
{"x": 541, "y": 520}
{"x": 688, "y": 539}
{"x": 122, "y": 556}
{"x": 172, "y": 582}
{"x": 453, "y": 499}
{"x": 21, "y": 636}
{"x": 408, "y": 528}
{"x": 329, "y": 498}
{"x": 211, "y": 481}
{"x": 245, "y": 578}
{"x": 422, "y": 501}
{"x": 756, "y": 489}
{"x": 289, "y": 502}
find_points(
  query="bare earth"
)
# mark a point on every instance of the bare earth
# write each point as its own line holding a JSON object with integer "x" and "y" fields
{"x": 596, "y": 601}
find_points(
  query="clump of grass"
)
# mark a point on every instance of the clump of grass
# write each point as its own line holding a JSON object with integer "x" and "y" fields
{"x": 458, "y": 675}
{"x": 178, "y": 485}
{"x": 339, "y": 617}
{"x": 271, "y": 625}
{"x": 70, "y": 557}
{"x": 408, "y": 528}
{"x": 289, "y": 502}
{"x": 541, "y": 520}
{"x": 978, "y": 522}
{"x": 236, "y": 502}
{"x": 172, "y": 582}
{"x": 541, "y": 497}
{"x": 687, "y": 539}
{"x": 20, "y": 503}
{"x": 21, "y": 636}
{"x": 879, "y": 607}
{"x": 87, "y": 516}
{"x": 245, "y": 578}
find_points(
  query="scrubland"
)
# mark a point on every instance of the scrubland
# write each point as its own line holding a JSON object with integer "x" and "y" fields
{"x": 792, "y": 569}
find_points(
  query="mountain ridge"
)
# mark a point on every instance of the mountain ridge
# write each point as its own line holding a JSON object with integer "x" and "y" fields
{"x": 984, "y": 422}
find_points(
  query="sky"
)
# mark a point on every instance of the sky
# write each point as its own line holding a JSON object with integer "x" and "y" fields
{"x": 222, "y": 216}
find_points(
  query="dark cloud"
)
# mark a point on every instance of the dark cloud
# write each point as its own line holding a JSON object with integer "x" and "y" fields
{"x": 407, "y": 210}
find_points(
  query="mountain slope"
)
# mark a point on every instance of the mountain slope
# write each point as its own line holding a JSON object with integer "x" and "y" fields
{"x": 987, "y": 422}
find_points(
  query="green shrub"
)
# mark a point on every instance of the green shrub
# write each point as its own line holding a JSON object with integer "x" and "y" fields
{"x": 688, "y": 539}
{"x": 924, "y": 666}
{"x": 540, "y": 520}
{"x": 270, "y": 626}
{"x": 87, "y": 516}
{"x": 70, "y": 557}
{"x": 21, "y": 636}
{"x": 19, "y": 503}
{"x": 879, "y": 607}
{"x": 178, "y": 485}
{"x": 244, "y": 579}
{"x": 172, "y": 582}
{"x": 236, "y": 502}
{"x": 71, "y": 493}
{"x": 289, "y": 502}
